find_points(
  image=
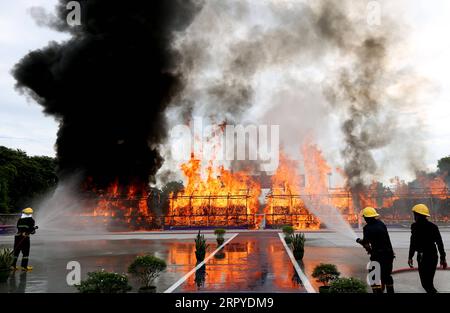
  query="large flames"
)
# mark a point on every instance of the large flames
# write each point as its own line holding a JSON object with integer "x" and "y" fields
{"x": 285, "y": 204}
{"x": 216, "y": 197}
{"x": 124, "y": 209}
{"x": 219, "y": 198}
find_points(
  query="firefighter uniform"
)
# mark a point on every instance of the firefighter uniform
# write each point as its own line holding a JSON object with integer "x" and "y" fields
{"x": 25, "y": 227}
{"x": 377, "y": 242}
{"x": 426, "y": 240}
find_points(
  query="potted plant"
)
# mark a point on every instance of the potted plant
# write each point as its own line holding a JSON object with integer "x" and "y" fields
{"x": 348, "y": 285}
{"x": 325, "y": 273}
{"x": 287, "y": 231}
{"x": 220, "y": 233}
{"x": 298, "y": 245}
{"x": 200, "y": 276}
{"x": 104, "y": 282}
{"x": 200, "y": 247}
{"x": 147, "y": 268}
{"x": 6, "y": 260}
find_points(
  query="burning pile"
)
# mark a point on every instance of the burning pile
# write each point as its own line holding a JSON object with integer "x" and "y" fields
{"x": 222, "y": 198}
{"x": 123, "y": 209}
{"x": 285, "y": 204}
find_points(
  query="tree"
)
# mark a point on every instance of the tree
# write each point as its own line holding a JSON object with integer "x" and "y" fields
{"x": 171, "y": 187}
{"x": 22, "y": 178}
{"x": 147, "y": 268}
{"x": 444, "y": 168}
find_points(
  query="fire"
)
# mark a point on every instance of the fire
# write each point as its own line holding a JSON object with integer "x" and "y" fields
{"x": 316, "y": 170}
{"x": 128, "y": 207}
{"x": 285, "y": 204}
{"x": 222, "y": 198}
{"x": 435, "y": 186}
{"x": 216, "y": 197}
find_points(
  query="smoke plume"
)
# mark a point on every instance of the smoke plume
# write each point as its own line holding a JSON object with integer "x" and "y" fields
{"x": 108, "y": 86}
{"x": 303, "y": 65}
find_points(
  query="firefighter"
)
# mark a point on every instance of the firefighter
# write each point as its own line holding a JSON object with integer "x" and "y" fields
{"x": 25, "y": 227}
{"x": 425, "y": 236}
{"x": 378, "y": 245}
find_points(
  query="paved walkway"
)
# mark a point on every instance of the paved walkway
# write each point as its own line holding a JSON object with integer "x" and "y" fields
{"x": 251, "y": 262}
{"x": 254, "y": 261}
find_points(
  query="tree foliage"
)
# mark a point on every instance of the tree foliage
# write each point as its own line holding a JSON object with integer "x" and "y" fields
{"x": 147, "y": 268}
{"x": 348, "y": 285}
{"x": 23, "y": 178}
{"x": 104, "y": 282}
{"x": 326, "y": 273}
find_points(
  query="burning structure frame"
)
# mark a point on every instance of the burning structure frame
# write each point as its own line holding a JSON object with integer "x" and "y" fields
{"x": 213, "y": 210}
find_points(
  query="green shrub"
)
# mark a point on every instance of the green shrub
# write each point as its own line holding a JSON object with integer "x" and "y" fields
{"x": 6, "y": 259}
{"x": 287, "y": 230}
{"x": 104, "y": 282}
{"x": 147, "y": 268}
{"x": 298, "y": 245}
{"x": 200, "y": 247}
{"x": 288, "y": 239}
{"x": 325, "y": 273}
{"x": 348, "y": 285}
{"x": 220, "y": 232}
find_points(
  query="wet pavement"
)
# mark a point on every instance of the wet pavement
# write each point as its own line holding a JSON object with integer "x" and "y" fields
{"x": 50, "y": 260}
{"x": 252, "y": 262}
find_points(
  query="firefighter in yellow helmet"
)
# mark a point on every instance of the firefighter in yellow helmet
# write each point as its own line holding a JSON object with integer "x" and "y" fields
{"x": 25, "y": 227}
{"x": 378, "y": 245}
{"x": 426, "y": 240}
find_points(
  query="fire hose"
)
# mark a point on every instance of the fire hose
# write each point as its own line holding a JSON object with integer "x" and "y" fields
{"x": 25, "y": 236}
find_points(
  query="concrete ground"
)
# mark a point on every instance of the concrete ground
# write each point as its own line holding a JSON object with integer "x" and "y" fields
{"x": 253, "y": 261}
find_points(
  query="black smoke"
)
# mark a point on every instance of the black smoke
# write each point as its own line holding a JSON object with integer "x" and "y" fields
{"x": 108, "y": 86}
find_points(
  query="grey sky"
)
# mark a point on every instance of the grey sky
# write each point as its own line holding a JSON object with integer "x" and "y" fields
{"x": 22, "y": 124}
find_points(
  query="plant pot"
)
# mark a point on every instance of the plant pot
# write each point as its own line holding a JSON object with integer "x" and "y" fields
{"x": 324, "y": 289}
{"x": 4, "y": 274}
{"x": 200, "y": 255}
{"x": 298, "y": 254}
{"x": 219, "y": 255}
{"x": 149, "y": 289}
{"x": 220, "y": 241}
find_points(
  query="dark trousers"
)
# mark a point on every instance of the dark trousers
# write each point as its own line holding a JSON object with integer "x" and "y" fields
{"x": 427, "y": 268}
{"x": 21, "y": 244}
{"x": 387, "y": 282}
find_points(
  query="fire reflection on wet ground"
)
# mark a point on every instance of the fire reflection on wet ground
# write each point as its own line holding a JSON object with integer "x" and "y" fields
{"x": 248, "y": 263}
{"x": 50, "y": 260}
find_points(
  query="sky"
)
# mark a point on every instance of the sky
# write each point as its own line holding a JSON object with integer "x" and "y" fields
{"x": 24, "y": 126}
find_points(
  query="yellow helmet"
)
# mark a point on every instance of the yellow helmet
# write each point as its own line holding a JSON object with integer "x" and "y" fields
{"x": 27, "y": 211}
{"x": 421, "y": 209}
{"x": 370, "y": 212}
